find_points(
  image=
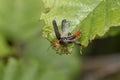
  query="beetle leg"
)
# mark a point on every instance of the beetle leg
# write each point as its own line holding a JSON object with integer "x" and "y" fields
{"x": 78, "y": 43}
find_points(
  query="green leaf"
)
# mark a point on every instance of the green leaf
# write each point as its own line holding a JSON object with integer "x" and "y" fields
{"x": 93, "y": 17}
{"x": 113, "y": 31}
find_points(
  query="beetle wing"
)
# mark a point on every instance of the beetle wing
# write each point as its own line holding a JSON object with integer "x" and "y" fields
{"x": 65, "y": 26}
{"x": 57, "y": 33}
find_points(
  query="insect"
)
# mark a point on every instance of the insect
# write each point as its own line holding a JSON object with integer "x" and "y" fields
{"x": 65, "y": 41}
